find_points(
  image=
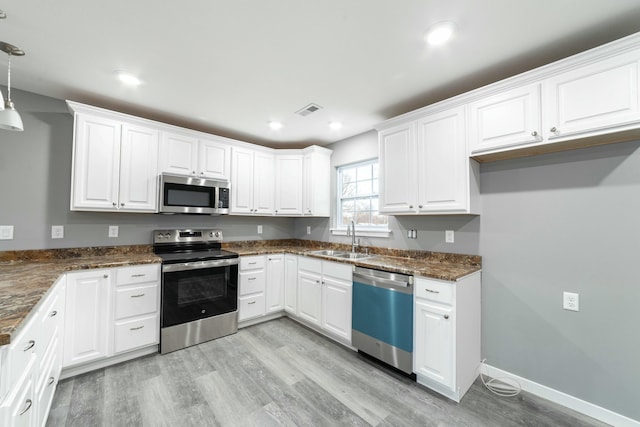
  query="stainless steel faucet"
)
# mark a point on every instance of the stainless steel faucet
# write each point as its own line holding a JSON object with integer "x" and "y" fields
{"x": 351, "y": 231}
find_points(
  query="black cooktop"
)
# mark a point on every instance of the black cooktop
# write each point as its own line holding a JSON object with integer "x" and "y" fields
{"x": 175, "y": 246}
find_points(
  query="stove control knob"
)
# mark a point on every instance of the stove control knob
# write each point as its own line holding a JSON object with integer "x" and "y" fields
{"x": 217, "y": 234}
{"x": 159, "y": 236}
{"x": 211, "y": 234}
{"x": 167, "y": 235}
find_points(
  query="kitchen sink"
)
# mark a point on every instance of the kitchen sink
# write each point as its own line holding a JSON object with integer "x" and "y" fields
{"x": 339, "y": 254}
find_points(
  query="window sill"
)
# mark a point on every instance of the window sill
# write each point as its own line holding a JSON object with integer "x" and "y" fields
{"x": 362, "y": 233}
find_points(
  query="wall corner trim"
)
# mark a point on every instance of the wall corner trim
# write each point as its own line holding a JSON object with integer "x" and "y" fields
{"x": 561, "y": 398}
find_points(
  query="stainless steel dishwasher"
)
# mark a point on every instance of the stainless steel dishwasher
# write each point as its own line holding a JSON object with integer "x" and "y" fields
{"x": 382, "y": 322}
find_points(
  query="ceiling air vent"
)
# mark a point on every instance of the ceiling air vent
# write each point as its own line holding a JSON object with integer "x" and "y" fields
{"x": 311, "y": 108}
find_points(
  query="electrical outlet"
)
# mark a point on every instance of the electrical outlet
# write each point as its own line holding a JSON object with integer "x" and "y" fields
{"x": 414, "y": 234}
{"x": 57, "y": 231}
{"x": 449, "y": 236}
{"x": 259, "y": 229}
{"x": 308, "y": 229}
{"x": 571, "y": 301}
{"x": 6, "y": 232}
{"x": 113, "y": 231}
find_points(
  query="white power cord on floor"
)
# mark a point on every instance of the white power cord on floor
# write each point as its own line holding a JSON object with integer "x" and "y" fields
{"x": 505, "y": 387}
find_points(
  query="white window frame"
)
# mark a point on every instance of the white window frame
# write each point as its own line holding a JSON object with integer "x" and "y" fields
{"x": 341, "y": 229}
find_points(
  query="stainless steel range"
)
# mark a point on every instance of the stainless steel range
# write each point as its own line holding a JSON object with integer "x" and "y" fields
{"x": 199, "y": 287}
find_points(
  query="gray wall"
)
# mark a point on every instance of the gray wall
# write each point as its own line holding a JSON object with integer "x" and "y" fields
{"x": 565, "y": 222}
{"x": 430, "y": 228}
{"x": 35, "y": 182}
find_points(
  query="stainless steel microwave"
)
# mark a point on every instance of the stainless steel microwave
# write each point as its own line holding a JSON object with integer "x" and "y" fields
{"x": 191, "y": 195}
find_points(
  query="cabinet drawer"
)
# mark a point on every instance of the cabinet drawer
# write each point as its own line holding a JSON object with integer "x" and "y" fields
{"x": 50, "y": 318}
{"x": 22, "y": 353}
{"x": 251, "y": 262}
{"x": 252, "y": 282}
{"x": 310, "y": 264}
{"x": 136, "y": 301}
{"x": 136, "y": 333}
{"x": 45, "y": 387}
{"x": 337, "y": 270}
{"x": 434, "y": 290}
{"x": 251, "y": 306}
{"x": 137, "y": 274}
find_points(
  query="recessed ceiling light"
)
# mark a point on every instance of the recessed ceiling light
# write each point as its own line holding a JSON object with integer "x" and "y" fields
{"x": 440, "y": 33}
{"x": 275, "y": 125}
{"x": 127, "y": 78}
{"x": 335, "y": 125}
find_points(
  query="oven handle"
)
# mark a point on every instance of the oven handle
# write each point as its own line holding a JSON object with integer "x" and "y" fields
{"x": 198, "y": 265}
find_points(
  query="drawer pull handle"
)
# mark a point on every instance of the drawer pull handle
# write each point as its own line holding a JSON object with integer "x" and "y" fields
{"x": 53, "y": 313}
{"x": 137, "y": 296}
{"x": 252, "y": 302}
{"x": 253, "y": 263}
{"x": 433, "y": 292}
{"x": 51, "y": 380}
{"x": 446, "y": 316}
{"x": 30, "y": 345}
{"x": 136, "y": 328}
{"x": 251, "y": 278}
{"x": 27, "y": 406}
{"x": 138, "y": 275}
{"x": 106, "y": 276}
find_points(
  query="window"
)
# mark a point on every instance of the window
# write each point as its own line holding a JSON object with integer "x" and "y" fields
{"x": 358, "y": 196}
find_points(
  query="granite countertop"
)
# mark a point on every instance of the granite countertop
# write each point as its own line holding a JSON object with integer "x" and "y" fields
{"x": 27, "y": 276}
{"x": 436, "y": 265}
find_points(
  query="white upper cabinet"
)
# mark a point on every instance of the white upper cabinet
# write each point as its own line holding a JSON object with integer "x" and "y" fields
{"x": 252, "y": 181}
{"x": 316, "y": 178}
{"x": 289, "y": 184}
{"x": 424, "y": 166}
{"x": 114, "y": 165}
{"x": 593, "y": 97}
{"x": 188, "y": 154}
{"x": 506, "y": 119}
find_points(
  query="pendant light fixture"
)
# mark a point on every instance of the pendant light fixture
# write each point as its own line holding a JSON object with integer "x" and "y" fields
{"x": 9, "y": 118}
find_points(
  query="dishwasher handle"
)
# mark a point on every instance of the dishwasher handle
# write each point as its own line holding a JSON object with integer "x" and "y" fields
{"x": 403, "y": 286}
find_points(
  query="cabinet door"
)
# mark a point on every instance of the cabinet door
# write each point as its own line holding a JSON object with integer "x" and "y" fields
{"x": 241, "y": 181}
{"x": 316, "y": 184}
{"x": 310, "y": 297}
{"x": 595, "y": 97}
{"x": 275, "y": 283}
{"x": 288, "y": 184}
{"x": 291, "y": 284}
{"x": 214, "y": 160}
{"x": 263, "y": 183}
{"x": 336, "y": 307}
{"x": 443, "y": 178}
{"x": 87, "y": 317}
{"x": 138, "y": 169}
{"x": 96, "y": 163}
{"x": 433, "y": 347}
{"x": 22, "y": 409}
{"x": 178, "y": 154}
{"x": 506, "y": 119}
{"x": 398, "y": 190}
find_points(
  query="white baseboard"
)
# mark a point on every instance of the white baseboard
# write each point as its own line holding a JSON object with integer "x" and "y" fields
{"x": 571, "y": 402}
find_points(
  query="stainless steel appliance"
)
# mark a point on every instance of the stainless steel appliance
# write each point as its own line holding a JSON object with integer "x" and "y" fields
{"x": 199, "y": 287}
{"x": 191, "y": 195}
{"x": 382, "y": 323}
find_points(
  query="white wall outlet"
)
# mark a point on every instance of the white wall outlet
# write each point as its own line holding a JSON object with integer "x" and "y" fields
{"x": 308, "y": 229}
{"x": 571, "y": 301}
{"x": 113, "y": 231}
{"x": 6, "y": 232}
{"x": 449, "y": 236}
{"x": 57, "y": 231}
{"x": 259, "y": 229}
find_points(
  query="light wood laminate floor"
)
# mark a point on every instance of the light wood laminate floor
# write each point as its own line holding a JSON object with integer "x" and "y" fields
{"x": 280, "y": 373}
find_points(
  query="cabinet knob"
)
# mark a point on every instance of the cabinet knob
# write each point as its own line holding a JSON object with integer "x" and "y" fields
{"x": 27, "y": 406}
{"x": 410, "y": 206}
{"x": 193, "y": 172}
{"x": 534, "y": 133}
{"x": 53, "y": 313}
{"x": 121, "y": 204}
{"x": 553, "y": 129}
{"x": 446, "y": 316}
{"x": 51, "y": 380}
{"x": 420, "y": 206}
{"x": 201, "y": 173}
{"x": 276, "y": 210}
{"x": 106, "y": 276}
{"x": 114, "y": 204}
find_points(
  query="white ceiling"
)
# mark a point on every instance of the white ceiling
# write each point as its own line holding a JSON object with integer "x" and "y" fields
{"x": 229, "y": 67}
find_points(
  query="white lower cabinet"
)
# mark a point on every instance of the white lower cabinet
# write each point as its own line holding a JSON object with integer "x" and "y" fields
{"x": 110, "y": 312}
{"x": 30, "y": 366}
{"x": 324, "y": 296}
{"x": 274, "y": 295}
{"x": 251, "y": 287}
{"x": 446, "y": 353}
{"x": 291, "y": 284}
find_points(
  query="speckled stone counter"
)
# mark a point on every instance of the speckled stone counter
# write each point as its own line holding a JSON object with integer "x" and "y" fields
{"x": 436, "y": 265}
{"x": 27, "y": 276}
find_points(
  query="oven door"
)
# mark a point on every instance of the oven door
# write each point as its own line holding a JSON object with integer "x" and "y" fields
{"x": 196, "y": 290}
